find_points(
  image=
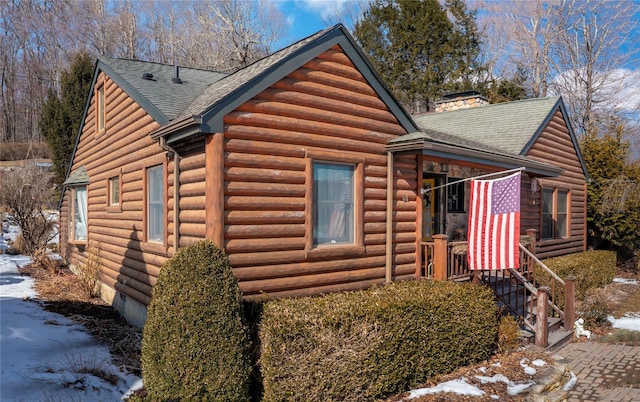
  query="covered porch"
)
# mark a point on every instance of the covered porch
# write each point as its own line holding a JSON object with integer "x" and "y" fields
{"x": 530, "y": 292}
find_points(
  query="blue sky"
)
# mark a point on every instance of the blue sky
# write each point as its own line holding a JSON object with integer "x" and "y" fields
{"x": 305, "y": 16}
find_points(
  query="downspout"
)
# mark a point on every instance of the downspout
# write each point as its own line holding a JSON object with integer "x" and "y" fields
{"x": 389, "y": 227}
{"x": 176, "y": 192}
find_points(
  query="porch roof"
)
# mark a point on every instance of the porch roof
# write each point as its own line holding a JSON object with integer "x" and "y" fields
{"x": 446, "y": 146}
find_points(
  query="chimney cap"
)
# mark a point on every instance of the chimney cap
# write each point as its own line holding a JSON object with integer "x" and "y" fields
{"x": 463, "y": 94}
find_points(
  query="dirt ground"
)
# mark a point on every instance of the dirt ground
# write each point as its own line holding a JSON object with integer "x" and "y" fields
{"x": 61, "y": 292}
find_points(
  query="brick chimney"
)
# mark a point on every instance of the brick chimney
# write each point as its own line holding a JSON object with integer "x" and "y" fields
{"x": 461, "y": 100}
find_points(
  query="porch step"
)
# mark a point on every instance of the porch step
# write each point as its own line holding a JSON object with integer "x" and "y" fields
{"x": 556, "y": 340}
{"x": 559, "y": 338}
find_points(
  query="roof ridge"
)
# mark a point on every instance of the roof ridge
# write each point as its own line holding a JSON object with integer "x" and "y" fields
{"x": 105, "y": 60}
{"x": 491, "y": 105}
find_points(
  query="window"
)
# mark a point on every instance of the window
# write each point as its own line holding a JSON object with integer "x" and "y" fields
{"x": 455, "y": 195}
{"x": 555, "y": 213}
{"x": 78, "y": 231}
{"x": 155, "y": 204}
{"x": 561, "y": 213}
{"x": 333, "y": 204}
{"x": 100, "y": 108}
{"x": 114, "y": 191}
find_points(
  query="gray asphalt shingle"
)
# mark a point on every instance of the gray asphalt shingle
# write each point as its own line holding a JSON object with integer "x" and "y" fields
{"x": 168, "y": 97}
{"x": 505, "y": 126}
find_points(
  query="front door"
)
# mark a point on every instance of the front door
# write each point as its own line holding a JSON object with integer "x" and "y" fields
{"x": 433, "y": 215}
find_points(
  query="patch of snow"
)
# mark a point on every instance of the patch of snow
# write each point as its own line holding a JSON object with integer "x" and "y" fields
{"x": 497, "y": 364}
{"x": 512, "y": 387}
{"x": 539, "y": 363}
{"x": 495, "y": 397}
{"x": 527, "y": 369}
{"x": 482, "y": 369}
{"x": 573, "y": 379}
{"x": 494, "y": 379}
{"x": 630, "y": 321}
{"x": 625, "y": 281}
{"x": 516, "y": 388}
{"x": 46, "y": 356}
{"x": 458, "y": 386}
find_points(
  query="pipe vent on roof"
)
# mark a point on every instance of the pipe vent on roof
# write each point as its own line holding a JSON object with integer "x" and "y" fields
{"x": 147, "y": 76}
{"x": 176, "y": 76}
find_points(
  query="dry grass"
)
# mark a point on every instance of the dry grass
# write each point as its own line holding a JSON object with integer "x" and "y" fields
{"x": 65, "y": 293}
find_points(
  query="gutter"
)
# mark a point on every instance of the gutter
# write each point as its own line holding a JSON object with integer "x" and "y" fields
{"x": 176, "y": 191}
{"x": 473, "y": 155}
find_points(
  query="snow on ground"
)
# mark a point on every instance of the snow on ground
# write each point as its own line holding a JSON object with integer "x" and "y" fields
{"x": 462, "y": 387}
{"x": 630, "y": 320}
{"x": 46, "y": 356}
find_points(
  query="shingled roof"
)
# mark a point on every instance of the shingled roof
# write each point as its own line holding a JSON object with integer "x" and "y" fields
{"x": 158, "y": 93}
{"x": 205, "y": 114}
{"x": 509, "y": 126}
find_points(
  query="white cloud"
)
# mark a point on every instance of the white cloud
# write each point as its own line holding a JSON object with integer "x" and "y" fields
{"x": 325, "y": 8}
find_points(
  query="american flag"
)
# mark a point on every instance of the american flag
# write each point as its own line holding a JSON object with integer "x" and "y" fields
{"x": 494, "y": 223}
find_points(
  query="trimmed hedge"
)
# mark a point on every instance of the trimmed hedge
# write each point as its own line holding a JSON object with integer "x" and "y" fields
{"x": 371, "y": 344}
{"x": 195, "y": 345}
{"x": 592, "y": 269}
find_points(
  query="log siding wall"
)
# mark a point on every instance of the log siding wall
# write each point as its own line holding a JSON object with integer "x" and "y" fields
{"x": 554, "y": 146}
{"x": 129, "y": 264}
{"x": 323, "y": 111}
{"x": 326, "y": 112}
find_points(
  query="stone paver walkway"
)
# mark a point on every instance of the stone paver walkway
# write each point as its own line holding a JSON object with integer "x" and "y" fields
{"x": 608, "y": 373}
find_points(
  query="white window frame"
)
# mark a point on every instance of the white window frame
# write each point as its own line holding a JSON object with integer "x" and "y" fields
{"x": 78, "y": 232}
{"x": 155, "y": 204}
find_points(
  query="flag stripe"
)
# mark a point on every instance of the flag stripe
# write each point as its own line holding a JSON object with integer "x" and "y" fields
{"x": 494, "y": 223}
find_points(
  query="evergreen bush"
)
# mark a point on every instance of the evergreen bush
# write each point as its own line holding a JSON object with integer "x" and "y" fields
{"x": 375, "y": 343}
{"x": 195, "y": 344}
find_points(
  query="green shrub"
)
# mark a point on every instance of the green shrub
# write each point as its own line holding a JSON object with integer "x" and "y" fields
{"x": 375, "y": 343}
{"x": 592, "y": 269}
{"x": 195, "y": 345}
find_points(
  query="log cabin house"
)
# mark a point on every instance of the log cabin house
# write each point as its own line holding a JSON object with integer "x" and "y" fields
{"x": 302, "y": 166}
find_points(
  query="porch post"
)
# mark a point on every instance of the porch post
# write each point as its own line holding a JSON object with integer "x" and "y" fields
{"x": 569, "y": 302}
{"x": 532, "y": 235}
{"x": 440, "y": 257}
{"x": 542, "y": 326}
{"x": 388, "y": 271}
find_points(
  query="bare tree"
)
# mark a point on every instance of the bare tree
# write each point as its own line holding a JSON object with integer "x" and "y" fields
{"x": 519, "y": 37}
{"x": 590, "y": 59}
{"x": 27, "y": 192}
{"x": 39, "y": 38}
{"x": 346, "y": 13}
{"x": 230, "y": 34}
